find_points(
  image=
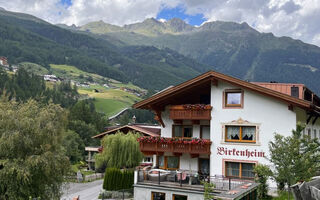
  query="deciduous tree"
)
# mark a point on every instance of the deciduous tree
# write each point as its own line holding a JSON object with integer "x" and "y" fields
{"x": 120, "y": 150}
{"x": 32, "y": 160}
{"x": 295, "y": 158}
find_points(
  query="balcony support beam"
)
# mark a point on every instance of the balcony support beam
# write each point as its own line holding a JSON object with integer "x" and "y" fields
{"x": 158, "y": 117}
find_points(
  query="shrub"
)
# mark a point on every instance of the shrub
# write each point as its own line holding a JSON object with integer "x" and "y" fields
{"x": 115, "y": 179}
{"x": 263, "y": 173}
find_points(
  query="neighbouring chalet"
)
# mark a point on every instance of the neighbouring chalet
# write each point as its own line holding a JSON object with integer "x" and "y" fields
{"x": 143, "y": 129}
{"x": 216, "y": 127}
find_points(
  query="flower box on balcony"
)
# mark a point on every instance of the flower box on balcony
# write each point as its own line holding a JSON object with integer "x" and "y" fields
{"x": 190, "y": 112}
{"x": 156, "y": 145}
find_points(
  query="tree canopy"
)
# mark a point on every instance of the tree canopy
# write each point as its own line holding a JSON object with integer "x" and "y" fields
{"x": 295, "y": 158}
{"x": 32, "y": 159}
{"x": 120, "y": 151}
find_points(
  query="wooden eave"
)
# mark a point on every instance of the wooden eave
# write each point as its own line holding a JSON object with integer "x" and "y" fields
{"x": 213, "y": 76}
{"x": 134, "y": 128}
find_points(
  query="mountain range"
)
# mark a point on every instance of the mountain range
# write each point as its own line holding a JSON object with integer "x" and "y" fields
{"x": 154, "y": 54}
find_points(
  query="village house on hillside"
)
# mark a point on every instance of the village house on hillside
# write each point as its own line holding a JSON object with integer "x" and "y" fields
{"x": 216, "y": 127}
{"x": 4, "y": 61}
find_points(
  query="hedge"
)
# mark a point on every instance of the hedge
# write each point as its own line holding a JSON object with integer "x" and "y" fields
{"x": 116, "y": 179}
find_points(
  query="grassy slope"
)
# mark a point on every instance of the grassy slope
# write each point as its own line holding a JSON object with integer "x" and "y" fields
{"x": 71, "y": 72}
{"x": 107, "y": 100}
{"x": 34, "y": 68}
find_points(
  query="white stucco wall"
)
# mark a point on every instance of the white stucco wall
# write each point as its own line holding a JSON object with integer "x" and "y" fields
{"x": 144, "y": 193}
{"x": 271, "y": 114}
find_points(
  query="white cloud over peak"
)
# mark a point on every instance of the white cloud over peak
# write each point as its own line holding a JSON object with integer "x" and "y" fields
{"x": 295, "y": 18}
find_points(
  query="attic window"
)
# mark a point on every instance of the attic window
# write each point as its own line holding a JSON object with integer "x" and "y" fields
{"x": 295, "y": 91}
{"x": 233, "y": 99}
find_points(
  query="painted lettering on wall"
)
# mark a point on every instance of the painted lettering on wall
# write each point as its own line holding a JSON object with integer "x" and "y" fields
{"x": 245, "y": 153}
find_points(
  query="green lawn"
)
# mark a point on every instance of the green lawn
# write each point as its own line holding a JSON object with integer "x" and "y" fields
{"x": 110, "y": 101}
{"x": 109, "y": 106}
{"x": 129, "y": 85}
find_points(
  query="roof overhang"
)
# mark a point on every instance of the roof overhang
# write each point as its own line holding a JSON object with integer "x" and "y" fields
{"x": 130, "y": 127}
{"x": 213, "y": 77}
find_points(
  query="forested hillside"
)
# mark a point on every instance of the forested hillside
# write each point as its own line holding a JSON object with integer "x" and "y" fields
{"x": 28, "y": 40}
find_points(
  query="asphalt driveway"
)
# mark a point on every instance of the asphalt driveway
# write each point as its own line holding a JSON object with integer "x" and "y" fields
{"x": 87, "y": 191}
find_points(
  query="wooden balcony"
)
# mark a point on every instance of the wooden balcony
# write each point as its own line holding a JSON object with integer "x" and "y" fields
{"x": 190, "y": 112}
{"x": 176, "y": 148}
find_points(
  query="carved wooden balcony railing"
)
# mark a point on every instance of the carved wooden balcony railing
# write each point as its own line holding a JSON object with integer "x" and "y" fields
{"x": 176, "y": 147}
{"x": 190, "y": 112}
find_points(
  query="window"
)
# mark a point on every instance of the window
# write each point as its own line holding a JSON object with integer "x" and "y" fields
{"x": 182, "y": 131}
{"x": 179, "y": 197}
{"x": 169, "y": 162}
{"x": 309, "y": 133}
{"x": 172, "y": 162}
{"x": 233, "y": 98}
{"x": 295, "y": 91}
{"x": 147, "y": 159}
{"x": 239, "y": 170}
{"x": 314, "y": 134}
{"x": 205, "y": 132}
{"x": 240, "y": 133}
{"x": 158, "y": 196}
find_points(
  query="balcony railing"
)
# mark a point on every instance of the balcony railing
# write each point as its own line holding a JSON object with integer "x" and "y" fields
{"x": 156, "y": 145}
{"x": 188, "y": 178}
{"x": 190, "y": 112}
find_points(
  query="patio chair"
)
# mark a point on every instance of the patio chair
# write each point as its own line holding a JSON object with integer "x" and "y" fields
{"x": 171, "y": 177}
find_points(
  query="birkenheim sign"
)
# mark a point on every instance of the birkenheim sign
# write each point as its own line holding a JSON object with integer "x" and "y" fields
{"x": 245, "y": 153}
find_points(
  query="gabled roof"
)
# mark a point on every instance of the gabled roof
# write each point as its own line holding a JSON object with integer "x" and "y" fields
{"x": 215, "y": 76}
{"x": 146, "y": 130}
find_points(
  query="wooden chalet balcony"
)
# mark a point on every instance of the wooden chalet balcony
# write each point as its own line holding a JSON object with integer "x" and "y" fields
{"x": 182, "y": 146}
{"x": 190, "y": 112}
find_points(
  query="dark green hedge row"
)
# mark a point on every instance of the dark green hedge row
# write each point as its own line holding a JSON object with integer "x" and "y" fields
{"x": 116, "y": 179}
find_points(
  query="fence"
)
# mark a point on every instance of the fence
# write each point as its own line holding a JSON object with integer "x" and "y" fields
{"x": 118, "y": 195}
{"x": 187, "y": 178}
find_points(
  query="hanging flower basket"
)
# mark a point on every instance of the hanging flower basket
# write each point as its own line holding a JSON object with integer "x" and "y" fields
{"x": 194, "y": 106}
{"x": 164, "y": 140}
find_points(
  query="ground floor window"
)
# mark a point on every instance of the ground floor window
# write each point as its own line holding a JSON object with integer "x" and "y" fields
{"x": 147, "y": 160}
{"x": 204, "y": 166}
{"x": 179, "y": 197}
{"x": 239, "y": 169}
{"x": 169, "y": 162}
{"x": 158, "y": 196}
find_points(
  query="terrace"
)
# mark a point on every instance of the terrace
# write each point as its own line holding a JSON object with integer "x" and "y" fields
{"x": 226, "y": 187}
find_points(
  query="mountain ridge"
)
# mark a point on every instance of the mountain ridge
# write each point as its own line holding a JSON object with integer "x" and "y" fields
{"x": 167, "y": 53}
{"x": 234, "y": 49}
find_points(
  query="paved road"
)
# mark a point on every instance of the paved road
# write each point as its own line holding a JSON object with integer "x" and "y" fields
{"x": 87, "y": 191}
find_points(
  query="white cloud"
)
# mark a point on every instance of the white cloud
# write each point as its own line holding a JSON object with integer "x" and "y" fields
{"x": 295, "y": 18}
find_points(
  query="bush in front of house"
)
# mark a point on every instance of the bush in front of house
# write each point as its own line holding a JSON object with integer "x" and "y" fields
{"x": 116, "y": 179}
{"x": 263, "y": 172}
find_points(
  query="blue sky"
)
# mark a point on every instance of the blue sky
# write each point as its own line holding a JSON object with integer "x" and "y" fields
{"x": 66, "y": 2}
{"x": 180, "y": 13}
